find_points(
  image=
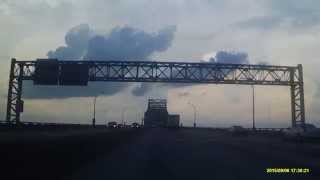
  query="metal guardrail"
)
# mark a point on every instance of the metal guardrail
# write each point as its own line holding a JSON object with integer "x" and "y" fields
{"x": 5, "y": 124}
{"x": 269, "y": 129}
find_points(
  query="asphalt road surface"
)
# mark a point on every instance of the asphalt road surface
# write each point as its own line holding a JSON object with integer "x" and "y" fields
{"x": 202, "y": 154}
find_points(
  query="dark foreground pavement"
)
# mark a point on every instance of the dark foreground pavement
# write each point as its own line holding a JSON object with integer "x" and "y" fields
{"x": 203, "y": 154}
{"x": 54, "y": 154}
{"x": 157, "y": 154}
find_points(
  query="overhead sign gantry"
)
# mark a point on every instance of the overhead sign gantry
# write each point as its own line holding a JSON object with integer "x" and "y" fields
{"x": 61, "y": 73}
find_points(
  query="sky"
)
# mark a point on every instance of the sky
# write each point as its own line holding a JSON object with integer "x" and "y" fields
{"x": 270, "y": 31}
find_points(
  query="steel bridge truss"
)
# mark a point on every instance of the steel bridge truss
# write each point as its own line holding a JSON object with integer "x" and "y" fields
{"x": 170, "y": 72}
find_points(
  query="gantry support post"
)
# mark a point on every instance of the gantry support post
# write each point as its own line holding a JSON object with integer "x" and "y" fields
{"x": 14, "y": 103}
{"x": 297, "y": 97}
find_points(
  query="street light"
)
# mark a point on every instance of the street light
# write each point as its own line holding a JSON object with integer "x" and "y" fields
{"x": 134, "y": 109}
{"x": 106, "y": 118}
{"x": 194, "y": 114}
{"x": 142, "y": 118}
{"x": 181, "y": 117}
{"x": 253, "y": 110}
{"x": 122, "y": 115}
{"x": 94, "y": 110}
{"x": 269, "y": 112}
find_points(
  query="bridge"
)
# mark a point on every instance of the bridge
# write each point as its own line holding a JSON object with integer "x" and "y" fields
{"x": 61, "y": 73}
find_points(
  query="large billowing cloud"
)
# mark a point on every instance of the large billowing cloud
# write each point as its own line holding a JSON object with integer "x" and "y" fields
{"x": 129, "y": 44}
{"x": 122, "y": 43}
{"x": 76, "y": 43}
{"x": 230, "y": 57}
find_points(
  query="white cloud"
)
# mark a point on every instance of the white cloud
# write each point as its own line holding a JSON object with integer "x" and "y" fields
{"x": 208, "y": 56}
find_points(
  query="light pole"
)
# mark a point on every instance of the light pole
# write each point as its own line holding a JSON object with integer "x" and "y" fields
{"x": 194, "y": 114}
{"x": 133, "y": 109}
{"x": 106, "y": 119}
{"x": 137, "y": 110}
{"x": 181, "y": 117}
{"x": 253, "y": 110}
{"x": 139, "y": 116}
{"x": 269, "y": 112}
{"x": 142, "y": 119}
{"x": 122, "y": 115}
{"x": 94, "y": 110}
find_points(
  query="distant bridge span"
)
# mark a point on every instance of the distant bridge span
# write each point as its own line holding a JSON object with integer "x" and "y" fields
{"x": 55, "y": 72}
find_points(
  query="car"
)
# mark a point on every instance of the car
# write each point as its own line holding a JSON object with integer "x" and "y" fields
{"x": 238, "y": 131}
{"x": 120, "y": 126}
{"x": 135, "y": 125}
{"x": 306, "y": 132}
{"x": 292, "y": 132}
{"x": 112, "y": 124}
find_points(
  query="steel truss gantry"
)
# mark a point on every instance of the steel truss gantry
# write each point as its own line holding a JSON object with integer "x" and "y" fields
{"x": 170, "y": 72}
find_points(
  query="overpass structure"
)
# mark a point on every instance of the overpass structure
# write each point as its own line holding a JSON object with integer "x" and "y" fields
{"x": 61, "y": 73}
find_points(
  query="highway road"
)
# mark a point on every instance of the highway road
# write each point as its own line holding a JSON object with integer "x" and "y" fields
{"x": 202, "y": 154}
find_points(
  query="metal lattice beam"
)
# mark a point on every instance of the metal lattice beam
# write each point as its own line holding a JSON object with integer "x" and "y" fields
{"x": 189, "y": 72}
{"x": 171, "y": 72}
